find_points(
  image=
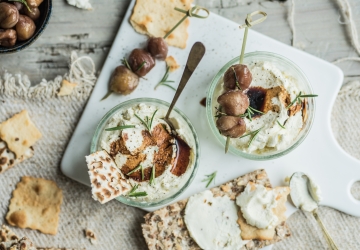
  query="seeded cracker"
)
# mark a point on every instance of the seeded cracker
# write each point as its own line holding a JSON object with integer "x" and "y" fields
{"x": 19, "y": 133}
{"x": 7, "y": 158}
{"x": 107, "y": 181}
{"x": 35, "y": 204}
{"x": 156, "y": 17}
{"x": 166, "y": 229}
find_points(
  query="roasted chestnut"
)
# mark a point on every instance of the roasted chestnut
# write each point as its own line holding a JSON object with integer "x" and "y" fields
{"x": 34, "y": 3}
{"x": 25, "y": 28}
{"x": 9, "y": 15}
{"x": 123, "y": 81}
{"x": 34, "y": 13}
{"x": 234, "y": 102}
{"x": 19, "y": 6}
{"x": 237, "y": 76}
{"x": 7, "y": 37}
{"x": 141, "y": 62}
{"x": 157, "y": 47}
{"x": 231, "y": 126}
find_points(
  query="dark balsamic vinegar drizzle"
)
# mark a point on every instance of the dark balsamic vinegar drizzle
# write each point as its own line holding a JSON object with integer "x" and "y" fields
{"x": 256, "y": 97}
{"x": 203, "y": 102}
{"x": 182, "y": 158}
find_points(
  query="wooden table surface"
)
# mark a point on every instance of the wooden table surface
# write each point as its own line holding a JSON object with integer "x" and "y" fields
{"x": 319, "y": 27}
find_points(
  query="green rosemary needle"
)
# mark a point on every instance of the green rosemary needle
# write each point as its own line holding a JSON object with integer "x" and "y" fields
{"x": 132, "y": 192}
{"x": 120, "y": 127}
{"x": 152, "y": 177}
{"x": 282, "y": 126}
{"x": 125, "y": 62}
{"x": 164, "y": 80}
{"x": 134, "y": 170}
{"x": 147, "y": 122}
{"x": 210, "y": 178}
{"x": 141, "y": 65}
{"x": 298, "y": 99}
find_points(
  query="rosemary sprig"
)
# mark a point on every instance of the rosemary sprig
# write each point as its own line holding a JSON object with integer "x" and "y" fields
{"x": 282, "y": 126}
{"x": 219, "y": 113}
{"x": 236, "y": 78}
{"x": 253, "y": 133}
{"x": 134, "y": 170}
{"x": 147, "y": 122}
{"x": 120, "y": 127}
{"x": 132, "y": 192}
{"x": 141, "y": 65}
{"x": 210, "y": 178}
{"x": 165, "y": 80}
{"x": 23, "y": 2}
{"x": 125, "y": 62}
{"x": 298, "y": 99}
{"x": 152, "y": 177}
{"x": 142, "y": 173}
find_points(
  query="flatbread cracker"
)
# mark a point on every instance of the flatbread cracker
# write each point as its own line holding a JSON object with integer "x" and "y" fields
{"x": 171, "y": 63}
{"x": 156, "y": 17}
{"x": 165, "y": 228}
{"x": 66, "y": 88}
{"x": 7, "y": 158}
{"x": 107, "y": 181}
{"x": 19, "y": 133}
{"x": 22, "y": 244}
{"x": 249, "y": 232}
{"x": 35, "y": 204}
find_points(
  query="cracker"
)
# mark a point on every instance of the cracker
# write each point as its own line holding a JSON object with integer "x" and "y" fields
{"x": 35, "y": 204}
{"x": 107, "y": 181}
{"x": 156, "y": 17}
{"x": 249, "y": 232}
{"x": 20, "y": 133}
{"x": 89, "y": 234}
{"x": 7, "y": 235}
{"x": 66, "y": 88}
{"x": 63, "y": 248}
{"x": 165, "y": 228}
{"x": 171, "y": 63}
{"x": 22, "y": 244}
{"x": 7, "y": 158}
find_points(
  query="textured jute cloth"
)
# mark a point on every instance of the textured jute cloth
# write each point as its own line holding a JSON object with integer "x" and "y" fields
{"x": 117, "y": 226}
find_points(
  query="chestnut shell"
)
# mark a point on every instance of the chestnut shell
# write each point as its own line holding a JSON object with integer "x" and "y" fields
{"x": 243, "y": 76}
{"x": 123, "y": 81}
{"x": 158, "y": 48}
{"x": 231, "y": 126}
{"x": 137, "y": 58}
{"x": 234, "y": 102}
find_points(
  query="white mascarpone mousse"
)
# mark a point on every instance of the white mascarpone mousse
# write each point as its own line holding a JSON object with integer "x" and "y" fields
{"x": 212, "y": 222}
{"x": 272, "y": 137}
{"x": 167, "y": 183}
{"x": 257, "y": 204}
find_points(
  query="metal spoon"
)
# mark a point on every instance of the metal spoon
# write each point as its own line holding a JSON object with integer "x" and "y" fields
{"x": 312, "y": 205}
{"x": 196, "y": 54}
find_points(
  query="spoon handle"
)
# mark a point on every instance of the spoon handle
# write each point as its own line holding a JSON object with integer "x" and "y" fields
{"x": 196, "y": 54}
{"x": 330, "y": 241}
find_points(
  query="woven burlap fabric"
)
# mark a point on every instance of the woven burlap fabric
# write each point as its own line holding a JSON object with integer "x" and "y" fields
{"x": 118, "y": 226}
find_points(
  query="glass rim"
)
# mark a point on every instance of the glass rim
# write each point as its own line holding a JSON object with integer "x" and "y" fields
{"x": 98, "y": 132}
{"x": 210, "y": 115}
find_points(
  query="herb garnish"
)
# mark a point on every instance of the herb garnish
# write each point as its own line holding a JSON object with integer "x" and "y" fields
{"x": 250, "y": 112}
{"x": 210, "y": 178}
{"x": 147, "y": 122}
{"x": 298, "y": 99}
{"x": 282, "y": 126}
{"x": 253, "y": 133}
{"x": 23, "y": 2}
{"x": 125, "y": 62}
{"x": 165, "y": 80}
{"x": 141, "y": 65}
{"x": 219, "y": 113}
{"x": 236, "y": 79}
{"x": 132, "y": 192}
{"x": 120, "y": 127}
{"x": 134, "y": 170}
{"x": 152, "y": 177}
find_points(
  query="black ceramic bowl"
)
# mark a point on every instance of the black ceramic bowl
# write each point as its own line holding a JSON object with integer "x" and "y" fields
{"x": 45, "y": 10}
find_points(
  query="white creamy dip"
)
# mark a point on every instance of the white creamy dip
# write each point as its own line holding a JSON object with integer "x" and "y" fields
{"x": 81, "y": 4}
{"x": 212, "y": 222}
{"x": 272, "y": 137}
{"x": 166, "y": 184}
{"x": 306, "y": 197}
{"x": 257, "y": 204}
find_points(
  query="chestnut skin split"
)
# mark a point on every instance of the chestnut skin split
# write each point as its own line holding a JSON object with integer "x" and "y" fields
{"x": 136, "y": 59}
{"x": 243, "y": 76}
{"x": 158, "y": 48}
{"x": 9, "y": 15}
{"x": 234, "y": 102}
{"x": 34, "y": 3}
{"x": 7, "y": 37}
{"x": 25, "y": 28}
{"x": 123, "y": 81}
{"x": 231, "y": 126}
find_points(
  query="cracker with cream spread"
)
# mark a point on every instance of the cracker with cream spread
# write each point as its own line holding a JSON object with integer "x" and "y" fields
{"x": 19, "y": 133}
{"x": 166, "y": 229}
{"x": 107, "y": 181}
{"x": 35, "y": 204}
{"x": 156, "y": 17}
